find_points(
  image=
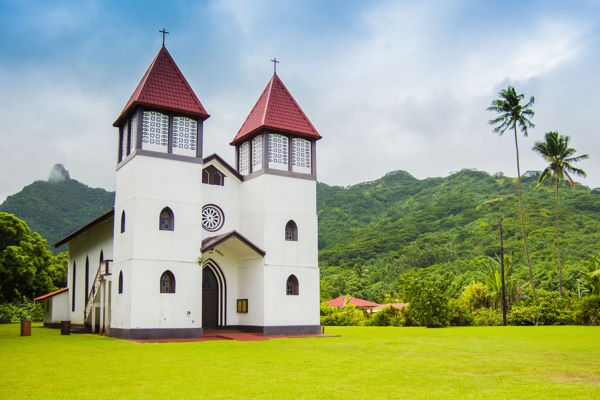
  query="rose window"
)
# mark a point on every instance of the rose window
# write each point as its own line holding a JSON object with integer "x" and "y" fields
{"x": 212, "y": 218}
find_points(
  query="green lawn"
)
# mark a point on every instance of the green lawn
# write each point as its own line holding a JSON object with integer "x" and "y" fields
{"x": 364, "y": 362}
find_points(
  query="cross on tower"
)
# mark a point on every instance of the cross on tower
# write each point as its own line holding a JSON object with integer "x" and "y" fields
{"x": 275, "y": 62}
{"x": 164, "y": 32}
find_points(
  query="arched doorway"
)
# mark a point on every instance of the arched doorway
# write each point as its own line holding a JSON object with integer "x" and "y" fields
{"x": 210, "y": 299}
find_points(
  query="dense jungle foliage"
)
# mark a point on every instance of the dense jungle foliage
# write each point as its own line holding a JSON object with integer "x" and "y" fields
{"x": 446, "y": 229}
{"x": 55, "y": 209}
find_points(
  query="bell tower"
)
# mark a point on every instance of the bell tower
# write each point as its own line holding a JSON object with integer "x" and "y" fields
{"x": 276, "y": 155}
{"x": 158, "y": 202}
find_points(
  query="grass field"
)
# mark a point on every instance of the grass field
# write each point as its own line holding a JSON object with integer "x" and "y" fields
{"x": 363, "y": 362}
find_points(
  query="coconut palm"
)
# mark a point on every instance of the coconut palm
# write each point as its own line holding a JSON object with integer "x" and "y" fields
{"x": 512, "y": 113}
{"x": 556, "y": 151}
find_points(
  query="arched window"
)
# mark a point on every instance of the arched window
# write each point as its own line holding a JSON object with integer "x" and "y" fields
{"x": 87, "y": 279}
{"x": 167, "y": 220}
{"x": 291, "y": 286}
{"x": 123, "y": 221}
{"x": 121, "y": 282}
{"x": 73, "y": 287}
{"x": 167, "y": 282}
{"x": 291, "y": 231}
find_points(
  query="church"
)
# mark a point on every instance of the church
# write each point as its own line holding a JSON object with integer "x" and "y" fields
{"x": 193, "y": 243}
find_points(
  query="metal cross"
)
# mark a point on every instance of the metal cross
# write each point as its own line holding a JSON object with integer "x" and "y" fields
{"x": 164, "y": 32}
{"x": 275, "y": 62}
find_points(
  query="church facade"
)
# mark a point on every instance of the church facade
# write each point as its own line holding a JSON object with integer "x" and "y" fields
{"x": 194, "y": 243}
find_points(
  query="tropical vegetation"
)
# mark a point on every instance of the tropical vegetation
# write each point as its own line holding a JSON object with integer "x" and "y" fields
{"x": 555, "y": 150}
{"x": 510, "y": 114}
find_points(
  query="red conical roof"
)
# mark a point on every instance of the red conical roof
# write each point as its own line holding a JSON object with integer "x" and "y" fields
{"x": 164, "y": 86}
{"x": 276, "y": 109}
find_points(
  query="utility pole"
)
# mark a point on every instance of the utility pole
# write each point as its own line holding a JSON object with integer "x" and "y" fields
{"x": 502, "y": 273}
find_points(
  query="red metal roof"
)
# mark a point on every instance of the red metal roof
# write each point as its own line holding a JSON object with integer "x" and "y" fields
{"x": 276, "y": 109}
{"x": 164, "y": 86}
{"x": 341, "y": 300}
{"x": 48, "y": 295}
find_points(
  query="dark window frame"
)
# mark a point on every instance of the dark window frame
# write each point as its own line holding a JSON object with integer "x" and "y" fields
{"x": 292, "y": 286}
{"x": 169, "y": 277}
{"x": 291, "y": 231}
{"x": 73, "y": 286}
{"x": 120, "y": 282}
{"x": 123, "y": 221}
{"x": 166, "y": 214}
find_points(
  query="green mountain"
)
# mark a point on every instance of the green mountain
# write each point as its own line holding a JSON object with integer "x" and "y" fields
{"x": 59, "y": 206}
{"x": 371, "y": 233}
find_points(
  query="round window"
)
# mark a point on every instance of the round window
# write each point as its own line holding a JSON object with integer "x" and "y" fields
{"x": 212, "y": 217}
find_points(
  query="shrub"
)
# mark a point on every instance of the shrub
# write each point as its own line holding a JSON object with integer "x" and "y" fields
{"x": 588, "y": 312}
{"x": 385, "y": 317}
{"x": 427, "y": 304}
{"x": 348, "y": 316}
{"x": 30, "y": 311}
{"x": 459, "y": 313}
{"x": 475, "y": 296}
{"x": 487, "y": 317}
{"x": 549, "y": 309}
{"x": 8, "y": 312}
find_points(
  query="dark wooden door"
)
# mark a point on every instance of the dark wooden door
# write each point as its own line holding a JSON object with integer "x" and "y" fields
{"x": 210, "y": 299}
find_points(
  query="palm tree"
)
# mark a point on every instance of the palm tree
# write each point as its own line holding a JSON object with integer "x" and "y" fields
{"x": 555, "y": 149}
{"x": 512, "y": 113}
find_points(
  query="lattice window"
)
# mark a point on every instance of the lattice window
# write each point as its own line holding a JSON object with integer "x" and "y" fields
{"x": 301, "y": 157}
{"x": 124, "y": 136}
{"x": 244, "y": 158}
{"x": 184, "y": 136}
{"x": 155, "y": 131}
{"x": 278, "y": 151}
{"x": 257, "y": 153}
{"x": 133, "y": 133}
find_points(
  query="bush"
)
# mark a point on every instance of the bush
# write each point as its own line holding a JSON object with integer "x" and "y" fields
{"x": 459, "y": 313}
{"x": 588, "y": 312}
{"x": 8, "y": 312}
{"x": 427, "y": 304}
{"x": 475, "y": 296}
{"x": 30, "y": 311}
{"x": 549, "y": 309}
{"x": 487, "y": 317}
{"x": 388, "y": 316}
{"x": 348, "y": 316}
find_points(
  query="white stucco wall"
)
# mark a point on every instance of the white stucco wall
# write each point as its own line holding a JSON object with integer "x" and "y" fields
{"x": 145, "y": 185}
{"x": 57, "y": 308}
{"x": 88, "y": 244}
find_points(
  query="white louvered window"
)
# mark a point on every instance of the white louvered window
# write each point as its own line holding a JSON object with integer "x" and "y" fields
{"x": 133, "y": 133}
{"x": 184, "y": 136}
{"x": 301, "y": 157}
{"x": 124, "y": 136}
{"x": 244, "y": 161}
{"x": 257, "y": 153}
{"x": 155, "y": 131}
{"x": 278, "y": 151}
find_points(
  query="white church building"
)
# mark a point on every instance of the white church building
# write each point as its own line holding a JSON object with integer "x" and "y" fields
{"x": 193, "y": 243}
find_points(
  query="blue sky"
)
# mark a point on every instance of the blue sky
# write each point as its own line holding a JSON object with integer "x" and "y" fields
{"x": 396, "y": 85}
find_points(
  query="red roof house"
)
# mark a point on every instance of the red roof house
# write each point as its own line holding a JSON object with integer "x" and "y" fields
{"x": 341, "y": 302}
{"x": 276, "y": 109}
